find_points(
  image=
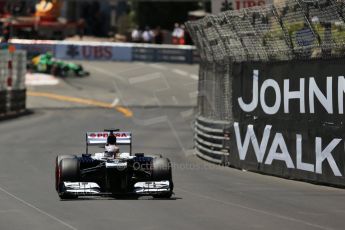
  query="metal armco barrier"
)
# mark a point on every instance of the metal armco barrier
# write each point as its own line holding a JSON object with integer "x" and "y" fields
{"x": 110, "y": 51}
{"x": 209, "y": 140}
{"x": 272, "y": 89}
{"x": 12, "y": 83}
{"x": 160, "y": 54}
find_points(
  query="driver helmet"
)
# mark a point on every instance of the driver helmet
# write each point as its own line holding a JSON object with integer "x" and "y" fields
{"x": 111, "y": 148}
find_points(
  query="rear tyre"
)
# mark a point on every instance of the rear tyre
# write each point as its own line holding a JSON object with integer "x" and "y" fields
{"x": 64, "y": 71}
{"x": 54, "y": 70}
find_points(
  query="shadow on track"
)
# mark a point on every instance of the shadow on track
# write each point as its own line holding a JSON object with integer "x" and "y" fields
{"x": 124, "y": 198}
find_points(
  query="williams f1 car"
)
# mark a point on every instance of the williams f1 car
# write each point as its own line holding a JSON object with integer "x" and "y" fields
{"x": 119, "y": 175}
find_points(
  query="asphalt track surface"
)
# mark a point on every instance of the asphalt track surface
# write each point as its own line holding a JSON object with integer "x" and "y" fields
{"x": 206, "y": 196}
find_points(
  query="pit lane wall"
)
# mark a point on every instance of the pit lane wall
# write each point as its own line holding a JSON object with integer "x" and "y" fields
{"x": 109, "y": 51}
{"x": 12, "y": 83}
{"x": 271, "y": 95}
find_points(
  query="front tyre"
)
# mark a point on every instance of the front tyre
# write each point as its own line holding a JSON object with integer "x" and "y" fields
{"x": 65, "y": 195}
{"x": 68, "y": 170}
{"x": 57, "y": 171}
{"x": 161, "y": 170}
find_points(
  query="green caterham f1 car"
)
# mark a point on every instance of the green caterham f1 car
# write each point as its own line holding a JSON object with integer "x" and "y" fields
{"x": 46, "y": 63}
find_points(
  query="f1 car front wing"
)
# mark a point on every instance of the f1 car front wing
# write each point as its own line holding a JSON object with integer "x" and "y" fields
{"x": 140, "y": 188}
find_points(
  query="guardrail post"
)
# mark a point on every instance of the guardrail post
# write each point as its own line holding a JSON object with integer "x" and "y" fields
{"x": 226, "y": 141}
{"x": 226, "y": 146}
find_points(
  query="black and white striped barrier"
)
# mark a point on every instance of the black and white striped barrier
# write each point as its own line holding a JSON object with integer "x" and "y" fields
{"x": 12, "y": 82}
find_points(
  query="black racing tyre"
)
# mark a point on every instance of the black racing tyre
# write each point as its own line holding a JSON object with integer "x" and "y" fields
{"x": 67, "y": 196}
{"x": 60, "y": 157}
{"x": 69, "y": 169}
{"x": 64, "y": 71}
{"x": 57, "y": 172}
{"x": 54, "y": 70}
{"x": 161, "y": 169}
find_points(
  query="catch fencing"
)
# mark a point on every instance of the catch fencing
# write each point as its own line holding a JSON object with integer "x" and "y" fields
{"x": 12, "y": 83}
{"x": 270, "y": 69}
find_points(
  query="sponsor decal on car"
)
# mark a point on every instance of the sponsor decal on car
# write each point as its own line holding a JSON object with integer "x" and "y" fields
{"x": 106, "y": 134}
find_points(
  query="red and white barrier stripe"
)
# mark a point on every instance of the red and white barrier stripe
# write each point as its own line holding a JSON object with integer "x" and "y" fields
{"x": 11, "y": 50}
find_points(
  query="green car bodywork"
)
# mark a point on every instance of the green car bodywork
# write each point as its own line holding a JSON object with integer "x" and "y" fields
{"x": 46, "y": 63}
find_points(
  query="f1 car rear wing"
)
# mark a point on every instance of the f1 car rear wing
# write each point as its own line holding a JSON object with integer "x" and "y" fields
{"x": 100, "y": 138}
